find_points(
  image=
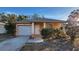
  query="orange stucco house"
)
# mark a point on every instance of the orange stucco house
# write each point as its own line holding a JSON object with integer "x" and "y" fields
{"x": 33, "y": 27}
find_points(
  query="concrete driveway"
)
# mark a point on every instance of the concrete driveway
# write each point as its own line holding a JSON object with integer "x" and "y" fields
{"x": 13, "y": 44}
{"x": 16, "y": 43}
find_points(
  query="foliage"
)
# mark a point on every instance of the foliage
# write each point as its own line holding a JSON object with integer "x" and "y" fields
{"x": 59, "y": 33}
{"x": 10, "y": 25}
{"x": 46, "y": 32}
{"x": 71, "y": 27}
{"x": 73, "y": 18}
{"x": 22, "y": 18}
{"x": 73, "y": 32}
{"x": 50, "y": 33}
{"x": 3, "y": 17}
{"x": 37, "y": 17}
{"x": 10, "y": 28}
{"x": 11, "y": 18}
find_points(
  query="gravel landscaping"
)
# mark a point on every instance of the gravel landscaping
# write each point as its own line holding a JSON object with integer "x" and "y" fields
{"x": 54, "y": 45}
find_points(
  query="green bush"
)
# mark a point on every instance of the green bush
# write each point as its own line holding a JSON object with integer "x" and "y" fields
{"x": 46, "y": 32}
{"x": 10, "y": 28}
{"x": 50, "y": 33}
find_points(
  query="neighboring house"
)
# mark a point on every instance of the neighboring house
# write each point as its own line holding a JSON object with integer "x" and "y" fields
{"x": 33, "y": 27}
{"x": 2, "y": 29}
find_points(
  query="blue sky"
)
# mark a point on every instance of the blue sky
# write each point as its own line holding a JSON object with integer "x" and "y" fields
{"x": 60, "y": 13}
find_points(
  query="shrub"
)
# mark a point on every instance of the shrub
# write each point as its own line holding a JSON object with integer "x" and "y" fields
{"x": 10, "y": 28}
{"x": 46, "y": 32}
{"x": 71, "y": 31}
{"x": 58, "y": 33}
{"x": 50, "y": 34}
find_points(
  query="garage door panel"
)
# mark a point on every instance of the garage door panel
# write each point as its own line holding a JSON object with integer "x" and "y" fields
{"x": 24, "y": 30}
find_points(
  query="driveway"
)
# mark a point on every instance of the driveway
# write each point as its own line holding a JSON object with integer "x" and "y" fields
{"x": 15, "y": 44}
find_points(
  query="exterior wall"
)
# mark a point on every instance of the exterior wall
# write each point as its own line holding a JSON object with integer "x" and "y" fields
{"x": 38, "y": 26}
{"x": 56, "y": 25}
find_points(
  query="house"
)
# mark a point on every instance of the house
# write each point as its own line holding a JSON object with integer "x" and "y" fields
{"x": 33, "y": 27}
{"x": 2, "y": 29}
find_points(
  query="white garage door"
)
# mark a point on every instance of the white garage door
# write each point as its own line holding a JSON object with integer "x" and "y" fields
{"x": 24, "y": 30}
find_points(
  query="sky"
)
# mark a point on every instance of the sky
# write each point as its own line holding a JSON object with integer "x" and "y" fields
{"x": 60, "y": 13}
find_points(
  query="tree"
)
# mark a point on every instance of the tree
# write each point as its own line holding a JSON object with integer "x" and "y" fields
{"x": 72, "y": 27}
{"x": 11, "y": 18}
{"x": 22, "y": 18}
{"x": 73, "y": 18}
{"x": 71, "y": 31}
{"x": 10, "y": 28}
{"x": 3, "y": 17}
{"x": 36, "y": 17}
